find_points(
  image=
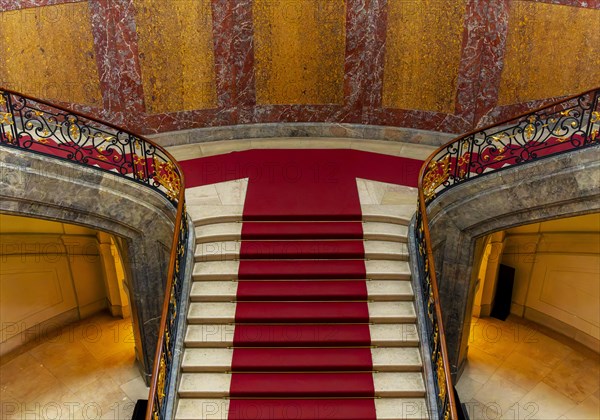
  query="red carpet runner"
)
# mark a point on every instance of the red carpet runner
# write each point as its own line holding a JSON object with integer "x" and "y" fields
{"x": 301, "y": 337}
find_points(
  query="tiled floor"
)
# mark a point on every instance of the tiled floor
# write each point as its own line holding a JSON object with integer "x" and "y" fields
{"x": 518, "y": 370}
{"x": 85, "y": 371}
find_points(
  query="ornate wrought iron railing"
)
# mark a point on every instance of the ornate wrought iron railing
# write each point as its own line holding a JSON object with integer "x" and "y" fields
{"x": 568, "y": 125}
{"x": 41, "y": 127}
{"x": 561, "y": 127}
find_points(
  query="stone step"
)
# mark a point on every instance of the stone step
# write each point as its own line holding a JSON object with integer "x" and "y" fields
{"x": 232, "y": 231}
{"x": 388, "y": 359}
{"x": 315, "y": 385}
{"x": 207, "y": 214}
{"x": 300, "y": 312}
{"x": 375, "y": 270}
{"x": 385, "y": 231}
{"x": 230, "y": 250}
{"x": 211, "y": 214}
{"x": 216, "y": 232}
{"x": 220, "y": 409}
{"x": 227, "y": 290}
{"x": 397, "y": 214}
{"x": 327, "y": 335}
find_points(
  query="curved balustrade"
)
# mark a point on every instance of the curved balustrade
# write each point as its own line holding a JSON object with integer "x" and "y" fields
{"x": 40, "y": 127}
{"x": 562, "y": 127}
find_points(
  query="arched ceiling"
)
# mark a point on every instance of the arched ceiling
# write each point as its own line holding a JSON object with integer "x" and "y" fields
{"x": 155, "y": 65}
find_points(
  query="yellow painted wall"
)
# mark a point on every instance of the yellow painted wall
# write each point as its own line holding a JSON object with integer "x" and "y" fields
{"x": 423, "y": 51}
{"x": 552, "y": 50}
{"x": 48, "y": 52}
{"x": 51, "y": 274}
{"x": 557, "y": 275}
{"x": 176, "y": 54}
{"x": 299, "y": 50}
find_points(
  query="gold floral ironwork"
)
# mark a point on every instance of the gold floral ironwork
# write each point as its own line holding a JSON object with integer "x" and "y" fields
{"x": 441, "y": 377}
{"x": 437, "y": 174}
{"x": 6, "y": 118}
{"x": 167, "y": 177}
{"x": 436, "y": 333}
{"x": 529, "y": 130}
{"x": 160, "y": 385}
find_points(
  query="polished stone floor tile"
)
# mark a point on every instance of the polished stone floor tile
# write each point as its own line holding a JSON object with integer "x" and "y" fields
{"x": 86, "y": 370}
{"x": 518, "y": 370}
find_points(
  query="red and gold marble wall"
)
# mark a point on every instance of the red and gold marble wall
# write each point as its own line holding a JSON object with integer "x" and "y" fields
{"x": 155, "y": 66}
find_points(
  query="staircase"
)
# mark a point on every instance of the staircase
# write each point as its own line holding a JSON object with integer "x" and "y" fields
{"x": 300, "y": 319}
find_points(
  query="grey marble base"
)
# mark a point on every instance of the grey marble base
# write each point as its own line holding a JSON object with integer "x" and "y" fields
{"x": 142, "y": 220}
{"x": 300, "y": 130}
{"x": 560, "y": 186}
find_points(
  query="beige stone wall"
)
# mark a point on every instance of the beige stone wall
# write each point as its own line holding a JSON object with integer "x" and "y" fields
{"x": 557, "y": 275}
{"x": 53, "y": 273}
{"x": 557, "y": 278}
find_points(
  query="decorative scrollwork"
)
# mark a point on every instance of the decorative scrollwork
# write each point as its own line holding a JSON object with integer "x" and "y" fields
{"x": 30, "y": 124}
{"x": 571, "y": 124}
{"x": 436, "y": 175}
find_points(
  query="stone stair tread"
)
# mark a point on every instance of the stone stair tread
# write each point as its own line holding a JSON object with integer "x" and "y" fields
{"x": 324, "y": 335}
{"x": 385, "y": 231}
{"x": 228, "y": 270}
{"x": 232, "y": 231}
{"x": 304, "y": 385}
{"x": 301, "y": 312}
{"x": 396, "y": 359}
{"x": 215, "y": 232}
{"x": 230, "y": 250}
{"x": 387, "y": 269}
{"x": 397, "y": 214}
{"x": 210, "y": 214}
{"x": 216, "y": 270}
{"x": 227, "y": 290}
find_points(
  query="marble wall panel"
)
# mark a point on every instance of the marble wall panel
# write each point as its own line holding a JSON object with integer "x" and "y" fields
{"x": 424, "y": 39}
{"x": 299, "y": 51}
{"x": 176, "y": 54}
{"x": 424, "y": 64}
{"x": 49, "y": 52}
{"x": 552, "y": 50}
